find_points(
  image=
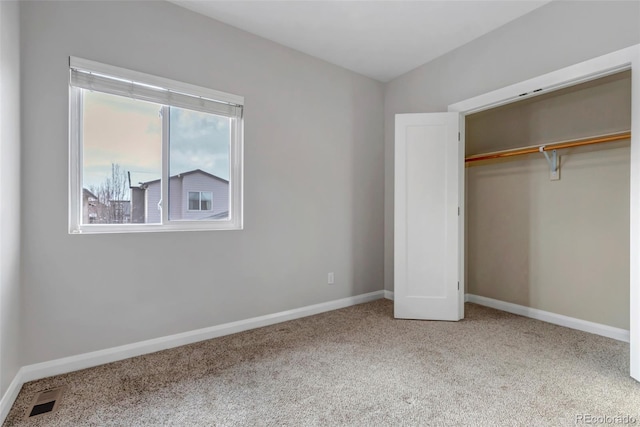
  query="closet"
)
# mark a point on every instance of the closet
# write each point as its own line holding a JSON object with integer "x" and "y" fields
{"x": 551, "y": 232}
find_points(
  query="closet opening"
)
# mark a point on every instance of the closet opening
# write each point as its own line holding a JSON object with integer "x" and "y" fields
{"x": 552, "y": 232}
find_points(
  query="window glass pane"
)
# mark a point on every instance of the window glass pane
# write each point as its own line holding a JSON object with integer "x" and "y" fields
{"x": 198, "y": 162}
{"x": 194, "y": 201}
{"x": 121, "y": 147}
{"x": 205, "y": 201}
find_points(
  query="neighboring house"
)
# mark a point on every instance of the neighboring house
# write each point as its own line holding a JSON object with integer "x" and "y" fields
{"x": 193, "y": 195}
{"x": 96, "y": 212}
{"x": 89, "y": 207}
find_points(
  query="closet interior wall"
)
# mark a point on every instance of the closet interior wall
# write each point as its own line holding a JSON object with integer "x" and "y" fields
{"x": 560, "y": 246}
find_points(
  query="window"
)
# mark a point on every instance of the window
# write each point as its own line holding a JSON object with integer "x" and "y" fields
{"x": 148, "y": 153}
{"x": 200, "y": 200}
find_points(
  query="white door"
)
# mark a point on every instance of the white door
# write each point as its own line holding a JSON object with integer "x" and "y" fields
{"x": 426, "y": 231}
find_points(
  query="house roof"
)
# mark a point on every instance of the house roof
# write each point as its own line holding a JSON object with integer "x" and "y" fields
{"x": 180, "y": 175}
{"x": 88, "y": 193}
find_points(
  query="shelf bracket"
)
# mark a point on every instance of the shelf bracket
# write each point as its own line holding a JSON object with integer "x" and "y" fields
{"x": 554, "y": 164}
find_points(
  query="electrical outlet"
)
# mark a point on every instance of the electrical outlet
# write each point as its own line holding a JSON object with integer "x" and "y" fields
{"x": 330, "y": 279}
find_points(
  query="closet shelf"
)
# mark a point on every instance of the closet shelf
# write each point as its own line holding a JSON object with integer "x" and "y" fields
{"x": 548, "y": 147}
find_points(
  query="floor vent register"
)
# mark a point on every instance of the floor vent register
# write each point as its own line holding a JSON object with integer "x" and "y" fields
{"x": 45, "y": 402}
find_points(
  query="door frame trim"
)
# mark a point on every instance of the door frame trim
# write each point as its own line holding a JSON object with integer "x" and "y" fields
{"x": 614, "y": 62}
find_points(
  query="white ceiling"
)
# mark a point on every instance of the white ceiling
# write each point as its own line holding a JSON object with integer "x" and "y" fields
{"x": 380, "y": 39}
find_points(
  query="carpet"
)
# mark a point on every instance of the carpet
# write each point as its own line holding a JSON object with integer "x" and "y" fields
{"x": 358, "y": 366}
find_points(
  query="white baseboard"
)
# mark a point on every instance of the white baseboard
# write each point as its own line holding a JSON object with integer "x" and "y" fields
{"x": 96, "y": 358}
{"x": 10, "y": 395}
{"x": 556, "y": 319}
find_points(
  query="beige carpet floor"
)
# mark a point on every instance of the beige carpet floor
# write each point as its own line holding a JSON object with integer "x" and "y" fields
{"x": 358, "y": 366}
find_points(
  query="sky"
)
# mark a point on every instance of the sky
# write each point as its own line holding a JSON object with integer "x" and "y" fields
{"x": 129, "y": 132}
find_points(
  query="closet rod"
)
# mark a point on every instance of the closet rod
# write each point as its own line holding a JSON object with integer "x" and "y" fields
{"x": 547, "y": 147}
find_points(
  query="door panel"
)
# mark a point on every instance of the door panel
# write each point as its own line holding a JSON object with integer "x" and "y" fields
{"x": 426, "y": 217}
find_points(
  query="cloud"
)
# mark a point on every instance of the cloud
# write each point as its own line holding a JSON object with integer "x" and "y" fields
{"x": 120, "y": 130}
{"x": 129, "y": 132}
{"x": 199, "y": 141}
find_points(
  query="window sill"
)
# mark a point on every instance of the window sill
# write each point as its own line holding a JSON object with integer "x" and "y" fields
{"x": 152, "y": 228}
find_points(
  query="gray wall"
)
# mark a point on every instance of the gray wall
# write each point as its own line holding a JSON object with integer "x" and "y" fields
{"x": 559, "y": 246}
{"x": 313, "y": 184}
{"x": 554, "y": 36}
{"x": 10, "y": 358}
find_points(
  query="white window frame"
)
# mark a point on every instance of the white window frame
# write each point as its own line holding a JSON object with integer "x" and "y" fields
{"x": 236, "y": 153}
{"x": 199, "y": 201}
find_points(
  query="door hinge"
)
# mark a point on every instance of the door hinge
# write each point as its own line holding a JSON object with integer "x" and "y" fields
{"x": 458, "y": 285}
{"x": 458, "y": 136}
{"x": 458, "y": 210}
